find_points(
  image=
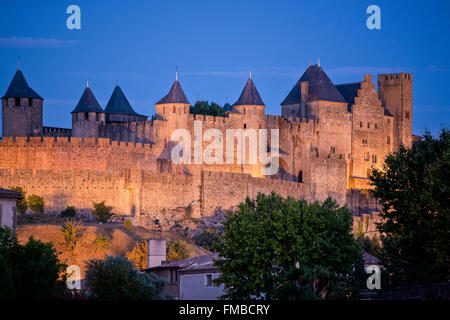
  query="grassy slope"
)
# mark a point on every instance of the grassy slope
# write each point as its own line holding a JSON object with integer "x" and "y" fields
{"x": 48, "y": 229}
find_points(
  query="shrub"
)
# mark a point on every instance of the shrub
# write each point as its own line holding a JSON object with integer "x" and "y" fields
{"x": 30, "y": 271}
{"x": 73, "y": 233}
{"x": 115, "y": 278}
{"x": 178, "y": 250}
{"x": 69, "y": 212}
{"x": 102, "y": 212}
{"x": 138, "y": 255}
{"x": 36, "y": 203}
{"x": 102, "y": 242}
{"x": 21, "y": 204}
{"x": 127, "y": 224}
{"x": 208, "y": 239}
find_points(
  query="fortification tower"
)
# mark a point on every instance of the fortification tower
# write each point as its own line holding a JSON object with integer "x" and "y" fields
{"x": 119, "y": 109}
{"x": 251, "y": 106}
{"x": 395, "y": 93}
{"x": 87, "y": 116}
{"x": 21, "y": 109}
{"x": 174, "y": 107}
{"x": 252, "y": 113}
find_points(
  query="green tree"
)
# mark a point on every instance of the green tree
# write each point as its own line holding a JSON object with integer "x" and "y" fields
{"x": 138, "y": 255}
{"x": 178, "y": 250}
{"x": 21, "y": 204}
{"x": 205, "y": 108}
{"x": 102, "y": 212}
{"x": 115, "y": 278}
{"x": 36, "y": 203}
{"x": 102, "y": 243}
{"x": 413, "y": 187}
{"x": 209, "y": 239}
{"x": 30, "y": 271}
{"x": 69, "y": 212}
{"x": 73, "y": 233}
{"x": 277, "y": 248}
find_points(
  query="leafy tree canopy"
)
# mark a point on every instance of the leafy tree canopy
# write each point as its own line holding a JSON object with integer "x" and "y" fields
{"x": 277, "y": 248}
{"x": 30, "y": 271}
{"x": 414, "y": 187}
{"x": 115, "y": 278}
{"x": 206, "y": 108}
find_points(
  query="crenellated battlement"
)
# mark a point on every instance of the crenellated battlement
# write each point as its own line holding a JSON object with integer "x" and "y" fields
{"x": 71, "y": 142}
{"x": 395, "y": 76}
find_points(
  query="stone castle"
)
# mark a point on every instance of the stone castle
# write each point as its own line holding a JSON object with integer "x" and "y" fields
{"x": 330, "y": 136}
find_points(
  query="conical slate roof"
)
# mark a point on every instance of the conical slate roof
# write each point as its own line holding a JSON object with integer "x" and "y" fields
{"x": 118, "y": 103}
{"x": 320, "y": 87}
{"x": 88, "y": 103}
{"x": 175, "y": 95}
{"x": 249, "y": 96}
{"x": 19, "y": 88}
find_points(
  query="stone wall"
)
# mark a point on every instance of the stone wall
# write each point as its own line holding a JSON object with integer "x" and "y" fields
{"x": 138, "y": 192}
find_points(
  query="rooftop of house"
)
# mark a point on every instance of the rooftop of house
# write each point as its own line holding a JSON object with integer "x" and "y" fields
{"x": 370, "y": 259}
{"x": 195, "y": 263}
{"x": 10, "y": 194}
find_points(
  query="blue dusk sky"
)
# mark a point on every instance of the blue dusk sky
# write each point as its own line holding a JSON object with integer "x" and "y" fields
{"x": 216, "y": 43}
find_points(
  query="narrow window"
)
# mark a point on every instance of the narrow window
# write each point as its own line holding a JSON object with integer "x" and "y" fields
{"x": 245, "y": 126}
{"x": 86, "y": 116}
{"x": 208, "y": 280}
{"x": 300, "y": 177}
{"x": 376, "y": 126}
{"x": 366, "y": 156}
{"x": 174, "y": 111}
{"x": 407, "y": 114}
{"x": 368, "y": 125}
{"x": 360, "y": 124}
{"x": 17, "y": 101}
{"x": 30, "y": 102}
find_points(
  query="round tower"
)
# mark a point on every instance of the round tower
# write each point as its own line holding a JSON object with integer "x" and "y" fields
{"x": 88, "y": 116}
{"x": 21, "y": 109}
{"x": 252, "y": 113}
{"x": 251, "y": 107}
{"x": 174, "y": 108}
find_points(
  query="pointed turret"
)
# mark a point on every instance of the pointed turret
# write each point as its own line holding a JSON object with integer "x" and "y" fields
{"x": 88, "y": 102}
{"x": 19, "y": 88}
{"x": 119, "y": 109}
{"x": 175, "y": 95}
{"x": 249, "y": 96}
{"x": 174, "y": 103}
{"x": 320, "y": 87}
{"x": 22, "y": 109}
{"x": 118, "y": 103}
{"x": 88, "y": 116}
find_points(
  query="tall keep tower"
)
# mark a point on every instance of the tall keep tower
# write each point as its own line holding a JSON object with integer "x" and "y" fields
{"x": 21, "y": 109}
{"x": 395, "y": 93}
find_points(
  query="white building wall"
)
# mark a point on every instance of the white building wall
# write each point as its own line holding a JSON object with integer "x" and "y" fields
{"x": 7, "y": 209}
{"x": 193, "y": 287}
